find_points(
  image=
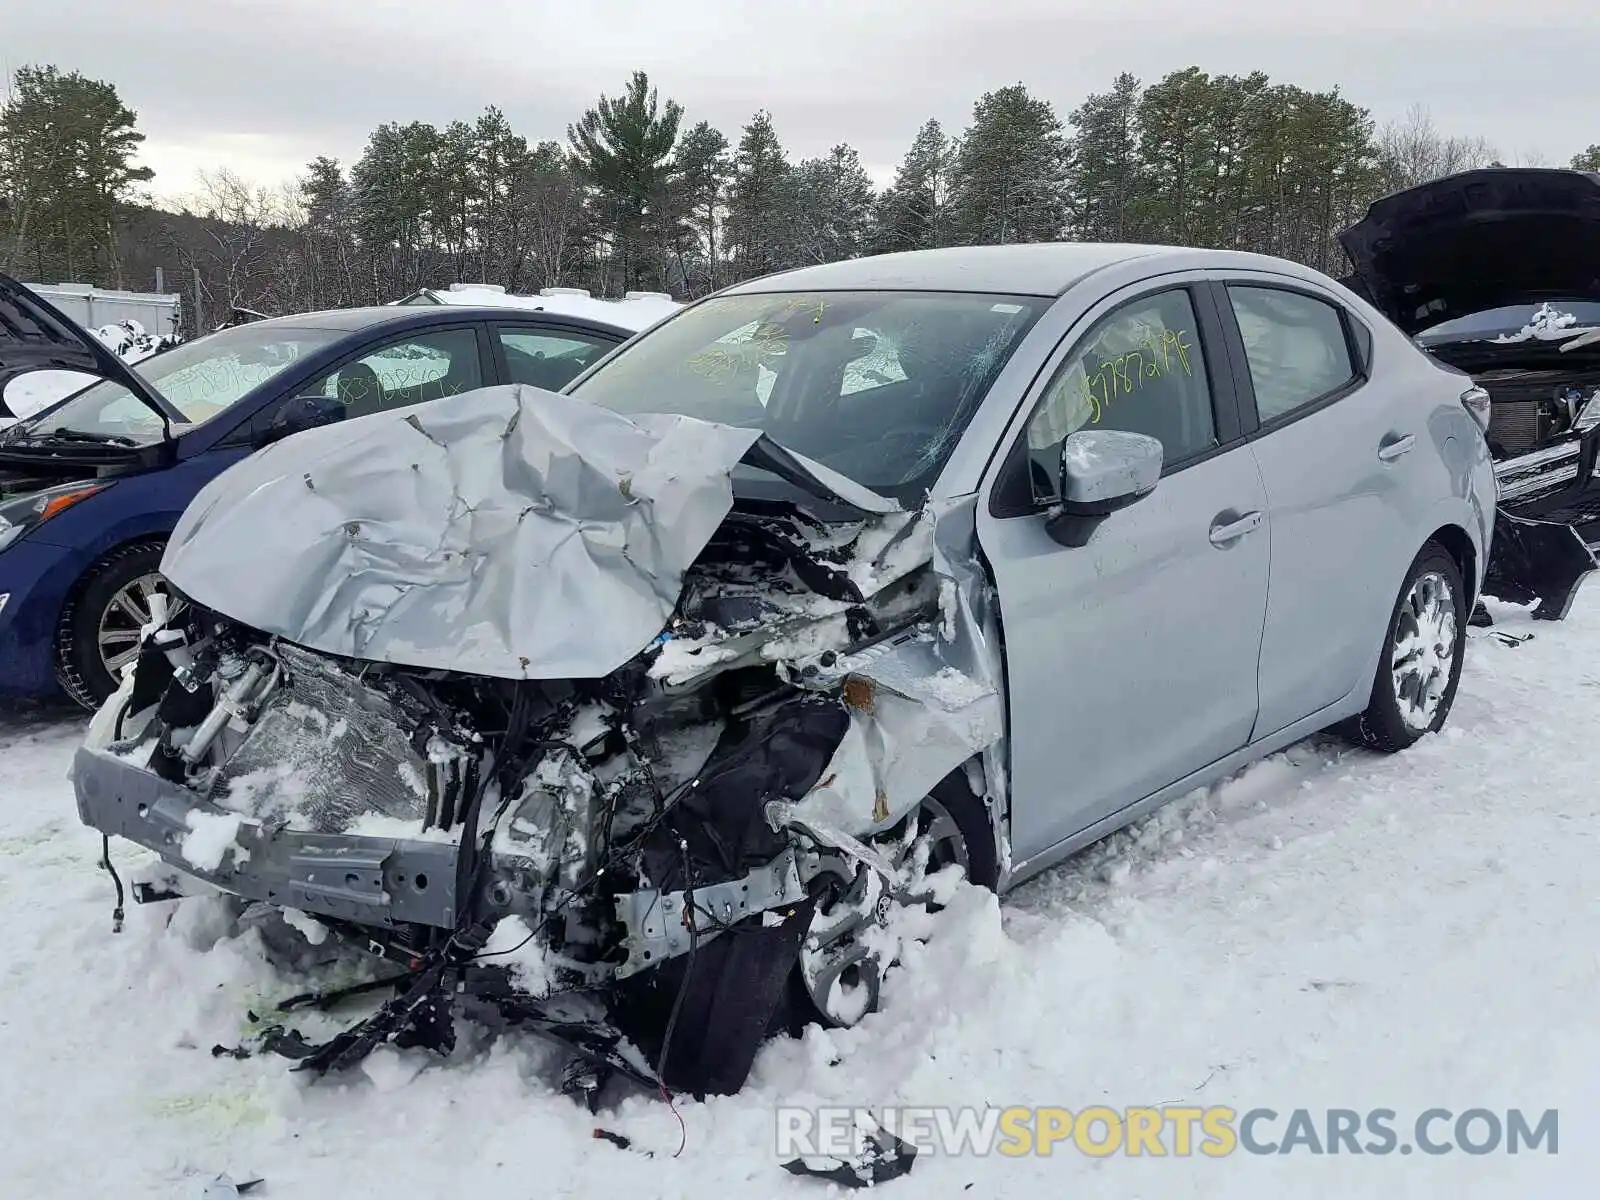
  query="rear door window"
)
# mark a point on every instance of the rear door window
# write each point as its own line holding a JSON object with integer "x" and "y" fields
{"x": 1296, "y": 347}
{"x": 548, "y": 358}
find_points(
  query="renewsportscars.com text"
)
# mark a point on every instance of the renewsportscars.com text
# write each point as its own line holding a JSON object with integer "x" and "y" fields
{"x": 1173, "y": 1131}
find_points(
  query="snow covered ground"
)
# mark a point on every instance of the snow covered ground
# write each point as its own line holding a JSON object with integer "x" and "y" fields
{"x": 1330, "y": 929}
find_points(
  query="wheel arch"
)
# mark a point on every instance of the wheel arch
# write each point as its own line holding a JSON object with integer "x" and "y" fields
{"x": 1458, "y": 544}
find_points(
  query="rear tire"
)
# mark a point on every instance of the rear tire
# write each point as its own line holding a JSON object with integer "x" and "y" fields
{"x": 1420, "y": 667}
{"x": 97, "y": 626}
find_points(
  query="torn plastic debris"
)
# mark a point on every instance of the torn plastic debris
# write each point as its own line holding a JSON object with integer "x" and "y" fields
{"x": 1543, "y": 563}
{"x": 223, "y": 1187}
{"x": 881, "y": 1156}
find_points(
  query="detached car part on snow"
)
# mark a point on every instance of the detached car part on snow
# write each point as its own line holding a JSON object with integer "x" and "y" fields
{"x": 419, "y": 769}
{"x": 1490, "y": 239}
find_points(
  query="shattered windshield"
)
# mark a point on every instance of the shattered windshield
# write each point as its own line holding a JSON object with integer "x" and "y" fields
{"x": 876, "y": 385}
{"x": 200, "y": 379}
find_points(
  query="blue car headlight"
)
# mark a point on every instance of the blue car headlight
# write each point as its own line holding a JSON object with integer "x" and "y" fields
{"x": 22, "y": 513}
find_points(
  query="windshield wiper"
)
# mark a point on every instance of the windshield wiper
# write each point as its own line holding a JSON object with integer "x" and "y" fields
{"x": 62, "y": 434}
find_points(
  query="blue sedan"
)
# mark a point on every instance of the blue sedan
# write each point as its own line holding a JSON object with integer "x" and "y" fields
{"x": 91, "y": 487}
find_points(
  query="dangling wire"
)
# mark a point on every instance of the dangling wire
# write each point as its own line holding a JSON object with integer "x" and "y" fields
{"x": 105, "y": 861}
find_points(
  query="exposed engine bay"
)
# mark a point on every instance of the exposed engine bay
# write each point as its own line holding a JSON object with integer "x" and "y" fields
{"x": 660, "y": 865}
{"x": 1533, "y": 408}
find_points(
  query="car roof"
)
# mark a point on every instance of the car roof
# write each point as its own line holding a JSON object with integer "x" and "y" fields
{"x": 1031, "y": 269}
{"x": 403, "y": 316}
{"x": 1018, "y": 269}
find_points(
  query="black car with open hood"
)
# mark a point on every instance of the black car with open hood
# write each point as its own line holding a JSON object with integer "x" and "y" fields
{"x": 1496, "y": 273}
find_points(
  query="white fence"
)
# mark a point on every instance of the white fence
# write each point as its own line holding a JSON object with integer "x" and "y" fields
{"x": 93, "y": 307}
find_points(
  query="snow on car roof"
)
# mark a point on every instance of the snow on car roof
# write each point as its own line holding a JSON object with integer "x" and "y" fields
{"x": 636, "y": 311}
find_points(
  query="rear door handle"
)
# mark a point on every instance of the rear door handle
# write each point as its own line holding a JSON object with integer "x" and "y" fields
{"x": 1393, "y": 448}
{"x": 1232, "y": 531}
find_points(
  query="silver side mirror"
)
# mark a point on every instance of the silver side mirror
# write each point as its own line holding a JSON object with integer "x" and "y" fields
{"x": 1102, "y": 470}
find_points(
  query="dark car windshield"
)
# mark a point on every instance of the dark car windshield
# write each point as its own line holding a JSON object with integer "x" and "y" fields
{"x": 876, "y": 385}
{"x": 199, "y": 378}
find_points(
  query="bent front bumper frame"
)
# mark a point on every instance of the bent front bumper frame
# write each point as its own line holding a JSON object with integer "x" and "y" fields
{"x": 384, "y": 882}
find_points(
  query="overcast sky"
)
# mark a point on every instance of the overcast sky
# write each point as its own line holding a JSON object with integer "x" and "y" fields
{"x": 262, "y": 86}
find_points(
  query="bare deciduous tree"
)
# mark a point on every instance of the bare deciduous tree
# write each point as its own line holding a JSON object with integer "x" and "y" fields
{"x": 1412, "y": 150}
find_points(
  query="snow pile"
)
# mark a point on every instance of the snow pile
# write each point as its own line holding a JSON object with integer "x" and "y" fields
{"x": 636, "y": 311}
{"x": 1329, "y": 929}
{"x": 210, "y": 837}
{"x": 128, "y": 340}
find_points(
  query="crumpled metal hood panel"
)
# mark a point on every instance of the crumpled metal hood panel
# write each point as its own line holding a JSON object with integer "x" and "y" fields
{"x": 507, "y": 532}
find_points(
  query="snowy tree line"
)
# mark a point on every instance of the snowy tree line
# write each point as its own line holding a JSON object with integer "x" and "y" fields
{"x": 636, "y": 197}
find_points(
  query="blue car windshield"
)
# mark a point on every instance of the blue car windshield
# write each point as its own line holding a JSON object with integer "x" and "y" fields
{"x": 877, "y": 385}
{"x": 200, "y": 379}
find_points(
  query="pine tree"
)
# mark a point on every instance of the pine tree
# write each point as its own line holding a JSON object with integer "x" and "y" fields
{"x": 623, "y": 149}
{"x": 703, "y": 171}
{"x": 833, "y": 201}
{"x": 497, "y": 231}
{"x": 328, "y": 233}
{"x": 1009, "y": 181}
{"x": 1106, "y": 188}
{"x": 760, "y": 202}
{"x": 913, "y": 211}
{"x": 394, "y": 191}
{"x": 1176, "y": 140}
{"x": 67, "y": 145}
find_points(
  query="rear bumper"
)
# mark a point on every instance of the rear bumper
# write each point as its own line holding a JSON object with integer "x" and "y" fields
{"x": 383, "y": 882}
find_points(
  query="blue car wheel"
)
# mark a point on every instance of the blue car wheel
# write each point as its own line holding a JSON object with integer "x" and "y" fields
{"x": 100, "y": 626}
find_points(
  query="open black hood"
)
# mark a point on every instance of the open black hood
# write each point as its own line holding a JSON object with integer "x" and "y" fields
{"x": 1478, "y": 240}
{"x": 37, "y": 336}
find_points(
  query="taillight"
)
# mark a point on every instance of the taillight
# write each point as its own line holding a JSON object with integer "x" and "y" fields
{"x": 1476, "y": 401}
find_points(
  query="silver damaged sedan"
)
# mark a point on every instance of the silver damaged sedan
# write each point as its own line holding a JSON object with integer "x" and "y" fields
{"x": 655, "y": 716}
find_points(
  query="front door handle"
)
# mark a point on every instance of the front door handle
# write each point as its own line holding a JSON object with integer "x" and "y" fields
{"x": 1225, "y": 534}
{"x": 1393, "y": 448}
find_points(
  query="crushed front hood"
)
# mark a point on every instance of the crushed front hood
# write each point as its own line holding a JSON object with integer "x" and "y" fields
{"x": 507, "y": 532}
{"x": 1479, "y": 240}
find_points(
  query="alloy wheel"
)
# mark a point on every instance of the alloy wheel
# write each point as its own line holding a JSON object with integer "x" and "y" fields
{"x": 1423, "y": 654}
{"x": 851, "y": 943}
{"x": 128, "y": 612}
